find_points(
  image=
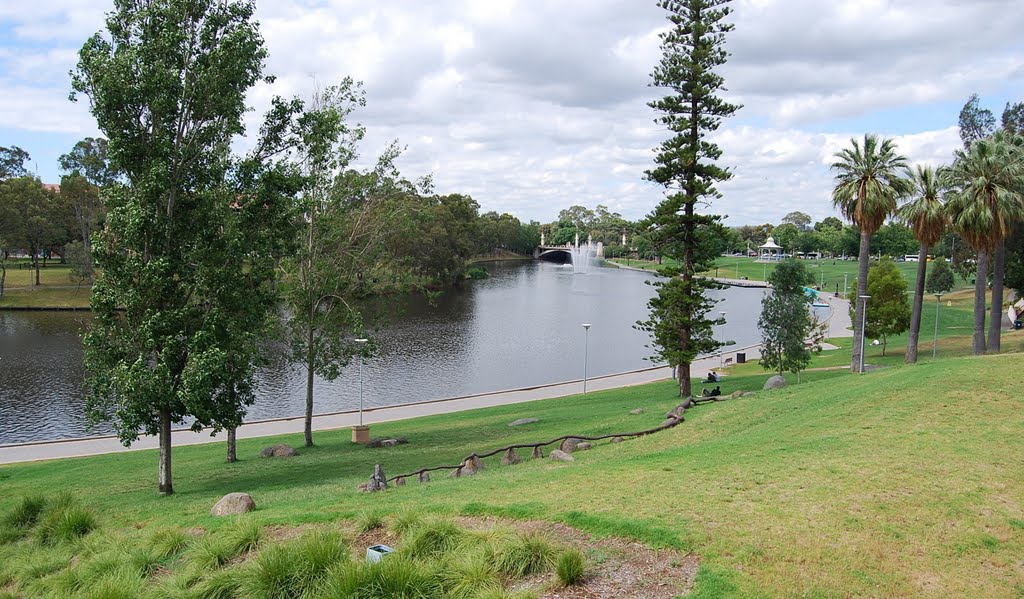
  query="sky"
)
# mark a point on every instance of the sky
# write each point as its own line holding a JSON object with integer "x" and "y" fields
{"x": 531, "y": 106}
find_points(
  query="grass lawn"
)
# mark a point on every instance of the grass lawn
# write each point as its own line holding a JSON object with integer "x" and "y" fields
{"x": 900, "y": 482}
{"x": 56, "y": 289}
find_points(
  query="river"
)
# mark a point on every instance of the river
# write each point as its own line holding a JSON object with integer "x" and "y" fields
{"x": 520, "y": 327}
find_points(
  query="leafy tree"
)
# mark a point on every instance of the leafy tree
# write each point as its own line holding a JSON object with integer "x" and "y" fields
{"x": 975, "y": 122}
{"x": 1015, "y": 260}
{"x": 184, "y": 292}
{"x": 985, "y": 200}
{"x": 827, "y": 223}
{"x": 81, "y": 200}
{"x": 1013, "y": 118}
{"x": 926, "y": 216}
{"x": 685, "y": 165}
{"x": 12, "y": 162}
{"x": 785, "y": 235}
{"x": 940, "y": 279}
{"x": 786, "y": 322}
{"x": 893, "y": 239}
{"x": 28, "y": 210}
{"x": 868, "y": 184}
{"x": 89, "y": 158}
{"x": 888, "y": 311}
{"x": 800, "y": 219}
{"x": 581, "y": 218}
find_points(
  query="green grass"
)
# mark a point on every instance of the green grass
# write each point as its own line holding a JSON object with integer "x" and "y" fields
{"x": 571, "y": 567}
{"x": 899, "y": 482}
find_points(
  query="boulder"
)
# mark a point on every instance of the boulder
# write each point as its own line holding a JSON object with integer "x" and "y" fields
{"x": 377, "y": 482}
{"x": 232, "y": 504}
{"x": 424, "y": 477}
{"x": 278, "y": 451}
{"x": 583, "y": 446}
{"x": 637, "y": 411}
{"x": 537, "y": 452}
{"x": 775, "y": 382}
{"x": 561, "y": 456}
{"x": 617, "y": 440}
{"x": 457, "y": 473}
{"x": 399, "y": 482}
{"x": 523, "y": 421}
{"x": 510, "y": 458}
{"x": 472, "y": 465}
{"x": 569, "y": 445}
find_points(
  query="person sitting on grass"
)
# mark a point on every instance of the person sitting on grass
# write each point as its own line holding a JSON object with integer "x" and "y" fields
{"x": 712, "y": 377}
{"x": 715, "y": 392}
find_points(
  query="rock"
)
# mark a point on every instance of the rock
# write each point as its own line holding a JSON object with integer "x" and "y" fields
{"x": 424, "y": 477}
{"x": 278, "y": 451}
{"x": 569, "y": 445}
{"x": 471, "y": 466}
{"x": 399, "y": 482}
{"x": 617, "y": 440}
{"x": 736, "y": 394}
{"x": 561, "y": 456}
{"x": 510, "y": 458}
{"x": 523, "y": 421}
{"x": 537, "y": 452}
{"x": 583, "y": 446}
{"x": 377, "y": 482}
{"x": 637, "y": 411}
{"x": 775, "y": 382}
{"x": 232, "y": 504}
{"x": 457, "y": 473}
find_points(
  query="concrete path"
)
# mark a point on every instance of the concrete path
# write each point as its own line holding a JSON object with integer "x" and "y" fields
{"x": 49, "y": 450}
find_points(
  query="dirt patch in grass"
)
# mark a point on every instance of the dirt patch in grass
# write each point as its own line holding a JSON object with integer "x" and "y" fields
{"x": 616, "y": 567}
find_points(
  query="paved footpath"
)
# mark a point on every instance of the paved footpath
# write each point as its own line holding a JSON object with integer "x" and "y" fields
{"x": 27, "y": 452}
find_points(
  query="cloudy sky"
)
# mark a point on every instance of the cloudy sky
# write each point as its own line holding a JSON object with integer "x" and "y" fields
{"x": 531, "y": 106}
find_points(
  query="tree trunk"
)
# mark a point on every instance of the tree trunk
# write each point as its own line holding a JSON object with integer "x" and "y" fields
{"x": 35, "y": 258}
{"x": 995, "y": 323}
{"x": 980, "y": 305}
{"x": 915, "y": 315}
{"x": 3, "y": 276}
{"x": 166, "y": 488}
{"x": 862, "y": 289}
{"x": 309, "y": 385}
{"x": 232, "y": 455}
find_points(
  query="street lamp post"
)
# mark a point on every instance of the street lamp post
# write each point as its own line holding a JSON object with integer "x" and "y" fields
{"x": 361, "y": 433}
{"x": 935, "y": 339}
{"x": 721, "y": 350}
{"x": 586, "y": 348}
{"x": 863, "y": 328}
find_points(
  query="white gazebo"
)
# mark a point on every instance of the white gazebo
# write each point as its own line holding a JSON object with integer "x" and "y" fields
{"x": 769, "y": 251}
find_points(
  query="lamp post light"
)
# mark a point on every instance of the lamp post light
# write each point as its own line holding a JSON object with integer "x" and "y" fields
{"x": 935, "y": 339}
{"x": 361, "y": 433}
{"x": 721, "y": 351}
{"x": 863, "y": 328}
{"x": 586, "y": 339}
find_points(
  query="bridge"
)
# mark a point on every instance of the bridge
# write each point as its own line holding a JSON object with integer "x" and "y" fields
{"x": 565, "y": 254}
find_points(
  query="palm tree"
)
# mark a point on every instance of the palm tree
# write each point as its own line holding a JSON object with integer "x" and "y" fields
{"x": 868, "y": 185}
{"x": 926, "y": 217}
{"x": 985, "y": 199}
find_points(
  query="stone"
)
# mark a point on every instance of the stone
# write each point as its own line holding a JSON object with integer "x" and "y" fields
{"x": 637, "y": 411}
{"x": 232, "y": 504}
{"x": 775, "y": 382}
{"x": 457, "y": 473}
{"x": 561, "y": 456}
{"x": 424, "y": 477}
{"x": 537, "y": 452}
{"x": 523, "y": 421}
{"x": 399, "y": 482}
{"x": 617, "y": 440}
{"x": 471, "y": 466}
{"x": 583, "y": 446}
{"x": 569, "y": 445}
{"x": 278, "y": 451}
{"x": 510, "y": 458}
{"x": 377, "y": 482}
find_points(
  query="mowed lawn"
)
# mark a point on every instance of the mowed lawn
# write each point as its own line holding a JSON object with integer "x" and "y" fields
{"x": 57, "y": 289}
{"x": 902, "y": 482}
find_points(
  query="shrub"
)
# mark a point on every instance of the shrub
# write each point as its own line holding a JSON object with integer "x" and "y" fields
{"x": 246, "y": 535}
{"x": 571, "y": 567}
{"x": 294, "y": 569}
{"x": 405, "y": 522}
{"x": 469, "y": 578}
{"x": 370, "y": 520}
{"x": 477, "y": 272}
{"x": 434, "y": 540}
{"x": 399, "y": 578}
{"x": 222, "y": 584}
{"x": 64, "y": 523}
{"x": 168, "y": 542}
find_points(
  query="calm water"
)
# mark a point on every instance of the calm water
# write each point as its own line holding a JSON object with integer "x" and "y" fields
{"x": 518, "y": 328}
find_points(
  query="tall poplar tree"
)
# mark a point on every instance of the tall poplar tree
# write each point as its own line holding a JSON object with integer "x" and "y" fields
{"x": 686, "y": 167}
{"x": 183, "y": 296}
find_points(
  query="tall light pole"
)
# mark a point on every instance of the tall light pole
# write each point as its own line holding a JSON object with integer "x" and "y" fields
{"x": 586, "y": 348}
{"x": 863, "y": 328}
{"x": 935, "y": 339}
{"x": 721, "y": 350}
{"x": 362, "y": 344}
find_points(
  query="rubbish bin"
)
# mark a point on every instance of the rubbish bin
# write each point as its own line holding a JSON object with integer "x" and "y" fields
{"x": 741, "y": 358}
{"x": 1018, "y": 324}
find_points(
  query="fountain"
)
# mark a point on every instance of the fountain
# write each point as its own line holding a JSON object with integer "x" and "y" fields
{"x": 585, "y": 256}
